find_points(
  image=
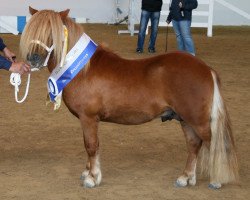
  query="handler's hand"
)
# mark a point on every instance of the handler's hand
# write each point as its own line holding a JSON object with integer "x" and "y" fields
{"x": 19, "y": 67}
{"x": 9, "y": 55}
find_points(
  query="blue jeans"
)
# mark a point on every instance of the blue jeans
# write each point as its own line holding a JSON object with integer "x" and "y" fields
{"x": 145, "y": 16}
{"x": 183, "y": 35}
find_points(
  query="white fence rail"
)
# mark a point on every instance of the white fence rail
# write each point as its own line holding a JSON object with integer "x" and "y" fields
{"x": 234, "y": 8}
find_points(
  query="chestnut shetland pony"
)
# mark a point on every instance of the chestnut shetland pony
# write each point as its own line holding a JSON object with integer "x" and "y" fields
{"x": 113, "y": 89}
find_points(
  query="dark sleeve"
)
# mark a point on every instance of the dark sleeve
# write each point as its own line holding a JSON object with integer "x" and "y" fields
{"x": 2, "y": 45}
{"x": 4, "y": 63}
{"x": 190, "y": 4}
{"x": 169, "y": 18}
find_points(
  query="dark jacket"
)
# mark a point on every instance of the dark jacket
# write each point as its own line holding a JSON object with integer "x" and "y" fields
{"x": 4, "y": 63}
{"x": 184, "y": 13}
{"x": 151, "y": 5}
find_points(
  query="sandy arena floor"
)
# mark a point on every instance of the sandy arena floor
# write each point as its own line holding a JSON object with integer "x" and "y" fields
{"x": 42, "y": 153}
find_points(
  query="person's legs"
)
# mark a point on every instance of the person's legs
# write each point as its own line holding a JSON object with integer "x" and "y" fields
{"x": 143, "y": 25}
{"x": 185, "y": 29}
{"x": 154, "y": 17}
{"x": 176, "y": 26}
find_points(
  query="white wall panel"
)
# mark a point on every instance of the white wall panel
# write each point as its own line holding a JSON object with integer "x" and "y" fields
{"x": 103, "y": 11}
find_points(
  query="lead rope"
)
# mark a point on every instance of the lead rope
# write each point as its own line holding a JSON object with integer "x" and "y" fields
{"x": 15, "y": 80}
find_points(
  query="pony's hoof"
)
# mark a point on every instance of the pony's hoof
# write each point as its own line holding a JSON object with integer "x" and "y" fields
{"x": 214, "y": 186}
{"x": 89, "y": 182}
{"x": 180, "y": 183}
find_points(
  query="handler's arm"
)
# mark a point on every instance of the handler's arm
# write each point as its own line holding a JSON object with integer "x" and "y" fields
{"x": 4, "y": 63}
{"x": 2, "y": 45}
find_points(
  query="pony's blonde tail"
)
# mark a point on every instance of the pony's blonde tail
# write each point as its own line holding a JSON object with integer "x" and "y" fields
{"x": 220, "y": 161}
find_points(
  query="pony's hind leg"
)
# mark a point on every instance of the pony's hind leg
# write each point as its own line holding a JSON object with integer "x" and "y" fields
{"x": 92, "y": 174}
{"x": 193, "y": 145}
{"x": 85, "y": 173}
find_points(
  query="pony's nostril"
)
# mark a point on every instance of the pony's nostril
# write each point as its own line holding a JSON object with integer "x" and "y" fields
{"x": 35, "y": 58}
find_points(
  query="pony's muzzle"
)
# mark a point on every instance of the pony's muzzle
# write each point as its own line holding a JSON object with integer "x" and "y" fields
{"x": 35, "y": 60}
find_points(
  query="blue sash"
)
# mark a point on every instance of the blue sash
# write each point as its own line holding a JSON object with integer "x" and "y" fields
{"x": 75, "y": 61}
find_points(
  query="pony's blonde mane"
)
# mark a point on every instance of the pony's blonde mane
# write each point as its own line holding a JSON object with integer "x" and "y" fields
{"x": 47, "y": 27}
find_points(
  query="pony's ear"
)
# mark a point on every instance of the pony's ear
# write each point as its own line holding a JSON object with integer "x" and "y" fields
{"x": 32, "y": 10}
{"x": 64, "y": 13}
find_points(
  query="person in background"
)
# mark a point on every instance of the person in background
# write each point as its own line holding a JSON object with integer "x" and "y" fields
{"x": 181, "y": 16}
{"x": 150, "y": 9}
{"x": 7, "y": 61}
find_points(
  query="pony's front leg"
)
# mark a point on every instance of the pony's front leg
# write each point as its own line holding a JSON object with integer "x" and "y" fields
{"x": 92, "y": 175}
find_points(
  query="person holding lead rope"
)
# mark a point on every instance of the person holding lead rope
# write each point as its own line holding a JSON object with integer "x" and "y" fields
{"x": 7, "y": 61}
{"x": 181, "y": 16}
